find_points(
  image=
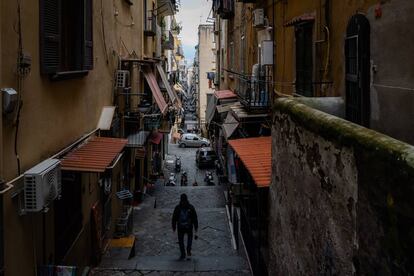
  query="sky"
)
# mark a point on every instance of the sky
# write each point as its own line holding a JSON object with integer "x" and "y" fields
{"x": 191, "y": 14}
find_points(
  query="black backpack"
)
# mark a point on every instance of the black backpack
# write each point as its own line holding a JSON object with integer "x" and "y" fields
{"x": 184, "y": 218}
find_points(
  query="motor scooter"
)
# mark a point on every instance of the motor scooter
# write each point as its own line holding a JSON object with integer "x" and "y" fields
{"x": 177, "y": 164}
{"x": 171, "y": 180}
{"x": 184, "y": 179}
{"x": 209, "y": 179}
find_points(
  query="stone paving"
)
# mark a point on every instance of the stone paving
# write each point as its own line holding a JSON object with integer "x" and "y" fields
{"x": 156, "y": 247}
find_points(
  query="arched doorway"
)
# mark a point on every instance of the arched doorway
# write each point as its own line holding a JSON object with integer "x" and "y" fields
{"x": 357, "y": 70}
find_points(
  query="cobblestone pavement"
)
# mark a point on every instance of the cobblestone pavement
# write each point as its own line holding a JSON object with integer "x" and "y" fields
{"x": 156, "y": 247}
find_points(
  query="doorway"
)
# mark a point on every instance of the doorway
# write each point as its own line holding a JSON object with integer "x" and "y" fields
{"x": 357, "y": 70}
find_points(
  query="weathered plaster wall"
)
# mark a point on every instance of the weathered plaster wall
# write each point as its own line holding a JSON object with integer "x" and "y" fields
{"x": 341, "y": 197}
{"x": 392, "y": 84}
{"x": 206, "y": 64}
{"x": 55, "y": 114}
{"x": 313, "y": 199}
{"x": 392, "y": 77}
{"x": 340, "y": 13}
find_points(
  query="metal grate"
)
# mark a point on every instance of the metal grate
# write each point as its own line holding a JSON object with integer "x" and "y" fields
{"x": 122, "y": 78}
{"x": 30, "y": 193}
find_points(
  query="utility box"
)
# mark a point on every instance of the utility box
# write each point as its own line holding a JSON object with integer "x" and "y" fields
{"x": 10, "y": 99}
{"x": 266, "y": 54}
{"x": 258, "y": 18}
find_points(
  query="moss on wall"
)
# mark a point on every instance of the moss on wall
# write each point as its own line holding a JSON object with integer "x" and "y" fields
{"x": 346, "y": 133}
{"x": 385, "y": 174}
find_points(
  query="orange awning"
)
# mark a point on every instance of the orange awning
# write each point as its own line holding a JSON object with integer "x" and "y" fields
{"x": 93, "y": 156}
{"x": 156, "y": 91}
{"x": 256, "y": 155}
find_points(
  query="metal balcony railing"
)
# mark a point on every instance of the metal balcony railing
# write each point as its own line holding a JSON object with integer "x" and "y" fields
{"x": 255, "y": 92}
{"x": 225, "y": 8}
{"x": 152, "y": 121}
{"x": 150, "y": 24}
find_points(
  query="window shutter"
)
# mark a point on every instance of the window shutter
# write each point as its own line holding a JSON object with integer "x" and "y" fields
{"x": 50, "y": 35}
{"x": 88, "y": 35}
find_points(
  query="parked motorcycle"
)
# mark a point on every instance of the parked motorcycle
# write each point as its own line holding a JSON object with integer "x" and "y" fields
{"x": 171, "y": 180}
{"x": 177, "y": 164}
{"x": 209, "y": 179}
{"x": 184, "y": 179}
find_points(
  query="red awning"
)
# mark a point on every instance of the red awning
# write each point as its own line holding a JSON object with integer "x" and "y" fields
{"x": 93, "y": 156}
{"x": 155, "y": 89}
{"x": 256, "y": 155}
{"x": 156, "y": 138}
{"x": 300, "y": 19}
{"x": 224, "y": 94}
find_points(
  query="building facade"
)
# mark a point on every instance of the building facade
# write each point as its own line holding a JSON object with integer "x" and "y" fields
{"x": 65, "y": 63}
{"x": 338, "y": 57}
{"x": 206, "y": 69}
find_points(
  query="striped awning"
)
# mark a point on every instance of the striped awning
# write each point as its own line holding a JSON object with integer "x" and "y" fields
{"x": 96, "y": 155}
{"x": 155, "y": 89}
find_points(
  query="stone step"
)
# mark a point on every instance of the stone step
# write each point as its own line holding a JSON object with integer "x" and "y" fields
{"x": 172, "y": 263}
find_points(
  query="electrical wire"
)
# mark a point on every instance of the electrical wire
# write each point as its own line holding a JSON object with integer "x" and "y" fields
{"x": 20, "y": 76}
{"x": 104, "y": 34}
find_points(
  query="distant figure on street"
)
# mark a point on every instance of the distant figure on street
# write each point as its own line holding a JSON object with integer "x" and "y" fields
{"x": 184, "y": 220}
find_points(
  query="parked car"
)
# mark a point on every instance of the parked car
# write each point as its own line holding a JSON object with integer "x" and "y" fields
{"x": 193, "y": 140}
{"x": 205, "y": 157}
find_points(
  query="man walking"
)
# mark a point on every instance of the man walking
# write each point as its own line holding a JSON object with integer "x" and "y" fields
{"x": 184, "y": 219}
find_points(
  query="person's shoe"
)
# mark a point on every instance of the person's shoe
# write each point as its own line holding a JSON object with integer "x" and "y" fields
{"x": 189, "y": 253}
{"x": 182, "y": 257}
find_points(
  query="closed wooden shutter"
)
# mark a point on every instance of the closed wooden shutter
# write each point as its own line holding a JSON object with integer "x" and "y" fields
{"x": 50, "y": 35}
{"x": 88, "y": 35}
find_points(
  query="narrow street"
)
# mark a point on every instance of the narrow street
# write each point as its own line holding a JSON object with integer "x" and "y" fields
{"x": 156, "y": 245}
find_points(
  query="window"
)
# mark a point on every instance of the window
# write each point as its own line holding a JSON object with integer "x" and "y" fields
{"x": 68, "y": 214}
{"x": 66, "y": 45}
{"x": 304, "y": 59}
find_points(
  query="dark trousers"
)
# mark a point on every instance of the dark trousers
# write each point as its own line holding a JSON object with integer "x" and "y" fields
{"x": 181, "y": 233}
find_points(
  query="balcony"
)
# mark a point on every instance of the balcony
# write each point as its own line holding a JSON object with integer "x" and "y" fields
{"x": 167, "y": 7}
{"x": 255, "y": 93}
{"x": 168, "y": 41}
{"x": 224, "y": 8}
{"x": 150, "y": 24}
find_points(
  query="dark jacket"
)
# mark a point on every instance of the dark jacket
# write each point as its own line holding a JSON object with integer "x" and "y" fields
{"x": 193, "y": 215}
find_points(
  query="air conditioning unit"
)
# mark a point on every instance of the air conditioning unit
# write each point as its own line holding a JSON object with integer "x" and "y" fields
{"x": 42, "y": 185}
{"x": 122, "y": 78}
{"x": 258, "y": 18}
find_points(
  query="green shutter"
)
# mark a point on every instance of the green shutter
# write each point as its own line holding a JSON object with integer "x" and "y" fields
{"x": 88, "y": 35}
{"x": 50, "y": 35}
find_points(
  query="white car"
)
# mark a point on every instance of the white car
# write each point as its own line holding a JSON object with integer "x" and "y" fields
{"x": 193, "y": 140}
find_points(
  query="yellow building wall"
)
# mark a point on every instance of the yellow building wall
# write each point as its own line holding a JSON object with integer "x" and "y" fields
{"x": 55, "y": 114}
{"x": 341, "y": 12}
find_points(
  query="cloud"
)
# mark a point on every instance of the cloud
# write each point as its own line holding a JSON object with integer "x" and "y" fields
{"x": 192, "y": 13}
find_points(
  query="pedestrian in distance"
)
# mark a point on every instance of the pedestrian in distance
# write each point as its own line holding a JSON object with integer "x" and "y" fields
{"x": 184, "y": 220}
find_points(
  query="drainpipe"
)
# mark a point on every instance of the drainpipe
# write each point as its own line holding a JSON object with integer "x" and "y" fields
{"x": 2, "y": 184}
